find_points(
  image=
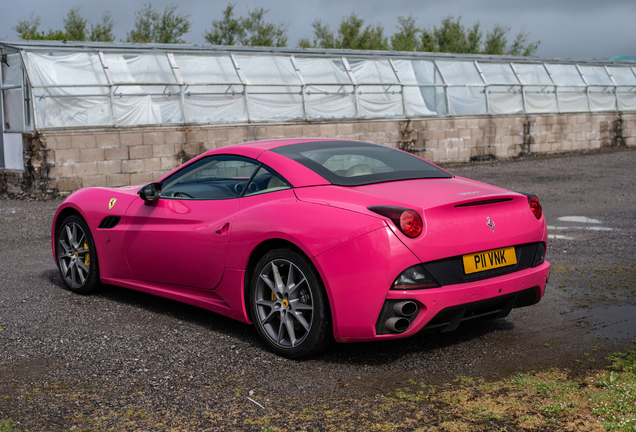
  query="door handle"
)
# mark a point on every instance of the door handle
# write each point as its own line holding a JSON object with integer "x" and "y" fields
{"x": 223, "y": 228}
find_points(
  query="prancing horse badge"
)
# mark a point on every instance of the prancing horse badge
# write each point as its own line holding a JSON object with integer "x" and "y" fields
{"x": 112, "y": 203}
{"x": 491, "y": 224}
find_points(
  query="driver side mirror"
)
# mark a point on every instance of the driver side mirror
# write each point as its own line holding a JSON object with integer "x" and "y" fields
{"x": 150, "y": 192}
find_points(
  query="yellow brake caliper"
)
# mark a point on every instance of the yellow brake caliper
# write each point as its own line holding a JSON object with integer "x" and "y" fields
{"x": 274, "y": 299}
{"x": 87, "y": 257}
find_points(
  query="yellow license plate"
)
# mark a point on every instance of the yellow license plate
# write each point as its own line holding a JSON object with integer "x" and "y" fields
{"x": 488, "y": 260}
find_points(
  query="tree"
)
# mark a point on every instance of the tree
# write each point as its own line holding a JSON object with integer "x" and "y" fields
{"x": 144, "y": 30}
{"x": 75, "y": 25}
{"x": 473, "y": 39}
{"x": 427, "y": 42}
{"x": 450, "y": 36}
{"x": 252, "y": 30}
{"x": 351, "y": 35}
{"x": 521, "y": 46}
{"x": 373, "y": 38}
{"x": 28, "y": 29}
{"x": 228, "y": 31}
{"x": 496, "y": 40}
{"x": 407, "y": 37}
{"x": 261, "y": 33}
{"x": 75, "y": 28}
{"x": 103, "y": 31}
{"x": 152, "y": 26}
{"x": 349, "y": 32}
{"x": 323, "y": 37}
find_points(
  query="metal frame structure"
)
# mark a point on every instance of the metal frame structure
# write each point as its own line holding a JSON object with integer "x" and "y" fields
{"x": 115, "y": 88}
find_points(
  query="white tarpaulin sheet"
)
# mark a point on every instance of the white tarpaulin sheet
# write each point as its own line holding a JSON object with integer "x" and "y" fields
{"x": 377, "y": 100}
{"x": 415, "y": 96}
{"x": 205, "y": 104}
{"x": 329, "y": 93}
{"x": 282, "y": 98}
{"x": 73, "y": 89}
{"x": 69, "y": 106}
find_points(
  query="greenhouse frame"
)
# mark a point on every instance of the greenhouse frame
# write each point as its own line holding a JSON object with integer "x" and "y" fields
{"x": 52, "y": 86}
{"x": 100, "y": 85}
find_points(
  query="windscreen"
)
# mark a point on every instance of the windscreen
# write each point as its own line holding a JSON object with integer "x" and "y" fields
{"x": 352, "y": 163}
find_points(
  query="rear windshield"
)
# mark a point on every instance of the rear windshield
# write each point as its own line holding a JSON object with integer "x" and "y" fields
{"x": 352, "y": 163}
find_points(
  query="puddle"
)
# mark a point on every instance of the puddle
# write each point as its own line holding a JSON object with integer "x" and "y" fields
{"x": 579, "y": 219}
{"x": 588, "y": 228}
{"x": 609, "y": 321}
{"x": 560, "y": 237}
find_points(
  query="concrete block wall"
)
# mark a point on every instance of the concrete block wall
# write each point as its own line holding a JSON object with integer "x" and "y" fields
{"x": 68, "y": 160}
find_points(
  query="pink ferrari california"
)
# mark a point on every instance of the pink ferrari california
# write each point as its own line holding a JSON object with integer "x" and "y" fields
{"x": 312, "y": 240}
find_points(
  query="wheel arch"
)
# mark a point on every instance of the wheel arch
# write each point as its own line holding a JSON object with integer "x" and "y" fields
{"x": 259, "y": 252}
{"x": 63, "y": 214}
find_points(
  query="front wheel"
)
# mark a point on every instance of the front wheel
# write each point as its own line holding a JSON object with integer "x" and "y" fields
{"x": 76, "y": 256}
{"x": 289, "y": 304}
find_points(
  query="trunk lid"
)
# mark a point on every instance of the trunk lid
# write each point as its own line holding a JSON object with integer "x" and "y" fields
{"x": 456, "y": 213}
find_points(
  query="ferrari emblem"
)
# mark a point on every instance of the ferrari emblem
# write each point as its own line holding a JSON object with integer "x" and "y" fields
{"x": 112, "y": 203}
{"x": 285, "y": 303}
{"x": 491, "y": 224}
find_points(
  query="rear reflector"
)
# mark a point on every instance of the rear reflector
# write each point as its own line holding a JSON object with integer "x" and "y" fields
{"x": 414, "y": 277}
{"x": 539, "y": 258}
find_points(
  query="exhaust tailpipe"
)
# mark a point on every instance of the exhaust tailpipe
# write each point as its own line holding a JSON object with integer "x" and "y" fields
{"x": 405, "y": 308}
{"x": 397, "y": 325}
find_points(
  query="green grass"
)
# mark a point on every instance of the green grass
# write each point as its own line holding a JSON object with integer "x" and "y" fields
{"x": 536, "y": 400}
{"x": 7, "y": 425}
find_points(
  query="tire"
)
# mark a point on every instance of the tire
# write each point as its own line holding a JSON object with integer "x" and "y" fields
{"x": 76, "y": 256}
{"x": 289, "y": 305}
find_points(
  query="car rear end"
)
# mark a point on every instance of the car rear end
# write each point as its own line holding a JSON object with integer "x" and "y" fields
{"x": 479, "y": 253}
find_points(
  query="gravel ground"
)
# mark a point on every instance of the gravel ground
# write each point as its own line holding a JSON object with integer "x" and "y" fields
{"x": 124, "y": 360}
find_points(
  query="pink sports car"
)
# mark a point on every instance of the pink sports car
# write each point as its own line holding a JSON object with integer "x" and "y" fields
{"x": 309, "y": 238}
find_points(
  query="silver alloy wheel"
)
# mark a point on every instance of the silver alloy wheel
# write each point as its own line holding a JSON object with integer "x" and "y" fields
{"x": 284, "y": 303}
{"x": 73, "y": 255}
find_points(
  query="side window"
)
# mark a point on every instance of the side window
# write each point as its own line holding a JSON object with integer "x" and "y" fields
{"x": 266, "y": 180}
{"x": 210, "y": 178}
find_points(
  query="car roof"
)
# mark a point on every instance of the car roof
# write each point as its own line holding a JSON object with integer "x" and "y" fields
{"x": 269, "y": 144}
{"x": 297, "y": 174}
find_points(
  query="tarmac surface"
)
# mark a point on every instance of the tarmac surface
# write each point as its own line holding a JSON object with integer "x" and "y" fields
{"x": 106, "y": 360}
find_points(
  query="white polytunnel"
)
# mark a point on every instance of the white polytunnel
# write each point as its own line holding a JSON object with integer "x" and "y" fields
{"x": 57, "y": 85}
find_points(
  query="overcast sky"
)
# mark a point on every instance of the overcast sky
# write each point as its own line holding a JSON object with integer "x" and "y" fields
{"x": 566, "y": 28}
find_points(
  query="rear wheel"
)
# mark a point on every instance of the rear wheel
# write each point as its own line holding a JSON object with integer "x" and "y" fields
{"x": 289, "y": 304}
{"x": 76, "y": 256}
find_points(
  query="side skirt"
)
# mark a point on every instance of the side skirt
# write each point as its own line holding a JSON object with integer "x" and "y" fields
{"x": 226, "y": 299}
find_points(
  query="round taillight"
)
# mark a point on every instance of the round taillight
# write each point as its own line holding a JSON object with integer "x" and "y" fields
{"x": 411, "y": 223}
{"x": 535, "y": 206}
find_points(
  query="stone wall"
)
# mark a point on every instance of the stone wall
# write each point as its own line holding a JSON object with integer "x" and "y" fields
{"x": 63, "y": 161}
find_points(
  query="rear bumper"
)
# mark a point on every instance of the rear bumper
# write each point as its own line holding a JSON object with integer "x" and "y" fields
{"x": 358, "y": 274}
{"x": 444, "y": 308}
